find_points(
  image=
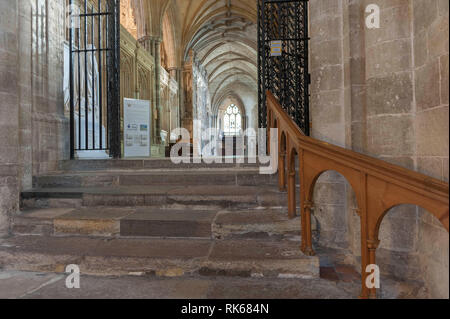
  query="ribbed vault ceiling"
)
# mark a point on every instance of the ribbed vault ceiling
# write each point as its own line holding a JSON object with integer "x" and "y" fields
{"x": 223, "y": 35}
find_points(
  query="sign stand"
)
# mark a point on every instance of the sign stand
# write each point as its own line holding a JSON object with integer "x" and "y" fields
{"x": 136, "y": 128}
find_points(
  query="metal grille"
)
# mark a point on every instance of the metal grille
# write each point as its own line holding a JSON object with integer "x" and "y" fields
{"x": 286, "y": 76}
{"x": 94, "y": 76}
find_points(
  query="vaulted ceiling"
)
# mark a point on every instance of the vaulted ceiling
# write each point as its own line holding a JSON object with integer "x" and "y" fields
{"x": 221, "y": 33}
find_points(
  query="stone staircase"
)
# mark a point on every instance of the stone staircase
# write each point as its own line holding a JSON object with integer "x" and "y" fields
{"x": 155, "y": 217}
{"x": 153, "y": 183}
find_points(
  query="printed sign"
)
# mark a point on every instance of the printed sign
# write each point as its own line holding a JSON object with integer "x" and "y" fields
{"x": 136, "y": 131}
{"x": 276, "y": 48}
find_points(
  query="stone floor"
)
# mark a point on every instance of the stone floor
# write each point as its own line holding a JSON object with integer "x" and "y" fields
{"x": 50, "y": 286}
{"x": 337, "y": 284}
{"x": 221, "y": 240}
{"x": 338, "y": 280}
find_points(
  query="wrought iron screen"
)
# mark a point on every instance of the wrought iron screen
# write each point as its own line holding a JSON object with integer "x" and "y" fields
{"x": 286, "y": 75}
{"x": 94, "y": 41}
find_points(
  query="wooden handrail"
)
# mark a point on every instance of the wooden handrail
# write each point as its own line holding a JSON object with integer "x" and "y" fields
{"x": 378, "y": 185}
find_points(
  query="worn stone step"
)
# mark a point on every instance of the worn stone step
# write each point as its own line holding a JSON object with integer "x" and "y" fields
{"x": 238, "y": 177}
{"x": 259, "y": 258}
{"x": 148, "y": 163}
{"x": 156, "y": 222}
{"x": 162, "y": 257}
{"x": 265, "y": 223}
{"x": 221, "y": 196}
{"x": 168, "y": 223}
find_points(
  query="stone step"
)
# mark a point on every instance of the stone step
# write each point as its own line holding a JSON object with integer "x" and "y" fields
{"x": 168, "y": 223}
{"x": 161, "y": 257}
{"x": 150, "y": 163}
{"x": 216, "y": 196}
{"x": 156, "y": 222}
{"x": 257, "y": 223}
{"x": 229, "y": 176}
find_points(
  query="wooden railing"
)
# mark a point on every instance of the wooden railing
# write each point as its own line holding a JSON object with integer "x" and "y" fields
{"x": 378, "y": 185}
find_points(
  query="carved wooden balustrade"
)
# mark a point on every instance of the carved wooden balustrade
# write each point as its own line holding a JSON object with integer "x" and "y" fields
{"x": 378, "y": 185}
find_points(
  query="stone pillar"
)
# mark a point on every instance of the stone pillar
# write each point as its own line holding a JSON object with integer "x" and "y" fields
{"x": 391, "y": 133}
{"x": 176, "y": 74}
{"x": 329, "y": 110}
{"x": 173, "y": 72}
{"x": 180, "y": 96}
{"x": 153, "y": 46}
{"x": 431, "y": 77}
{"x": 9, "y": 114}
{"x": 157, "y": 42}
{"x": 358, "y": 105}
{"x": 187, "y": 103}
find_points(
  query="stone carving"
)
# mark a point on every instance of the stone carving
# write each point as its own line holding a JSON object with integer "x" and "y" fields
{"x": 187, "y": 82}
{"x": 127, "y": 17}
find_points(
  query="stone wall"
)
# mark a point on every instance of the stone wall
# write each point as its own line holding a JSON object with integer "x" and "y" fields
{"x": 9, "y": 113}
{"x": 390, "y": 125}
{"x": 41, "y": 29}
{"x": 383, "y": 92}
{"x": 201, "y": 106}
{"x": 328, "y": 90}
{"x": 431, "y": 57}
{"x": 327, "y": 113}
{"x": 32, "y": 122}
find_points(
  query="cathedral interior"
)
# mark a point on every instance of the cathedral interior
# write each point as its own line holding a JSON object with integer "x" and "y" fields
{"x": 362, "y": 151}
{"x": 205, "y": 57}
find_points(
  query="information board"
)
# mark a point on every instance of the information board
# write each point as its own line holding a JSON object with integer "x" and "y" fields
{"x": 136, "y": 131}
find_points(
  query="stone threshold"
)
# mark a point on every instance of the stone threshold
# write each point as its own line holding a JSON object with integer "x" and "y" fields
{"x": 157, "y": 222}
{"x": 95, "y": 164}
{"x": 161, "y": 257}
{"x": 174, "y": 177}
{"x": 224, "y": 196}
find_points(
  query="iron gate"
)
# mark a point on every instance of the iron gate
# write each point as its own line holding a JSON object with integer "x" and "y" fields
{"x": 94, "y": 42}
{"x": 287, "y": 75}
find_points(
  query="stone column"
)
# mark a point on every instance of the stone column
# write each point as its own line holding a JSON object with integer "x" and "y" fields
{"x": 390, "y": 125}
{"x": 157, "y": 56}
{"x": 431, "y": 77}
{"x": 146, "y": 43}
{"x": 153, "y": 46}
{"x": 329, "y": 111}
{"x": 175, "y": 73}
{"x": 187, "y": 103}
{"x": 9, "y": 114}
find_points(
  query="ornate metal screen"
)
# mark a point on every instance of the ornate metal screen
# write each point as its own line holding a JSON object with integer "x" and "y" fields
{"x": 285, "y": 75}
{"x": 94, "y": 44}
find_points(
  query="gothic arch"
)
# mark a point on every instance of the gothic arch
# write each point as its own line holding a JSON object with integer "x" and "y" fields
{"x": 168, "y": 37}
{"x": 439, "y": 213}
{"x": 225, "y": 103}
{"x": 238, "y": 75}
{"x": 351, "y": 177}
{"x": 227, "y": 89}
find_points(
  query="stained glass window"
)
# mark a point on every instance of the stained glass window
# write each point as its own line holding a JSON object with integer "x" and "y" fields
{"x": 232, "y": 121}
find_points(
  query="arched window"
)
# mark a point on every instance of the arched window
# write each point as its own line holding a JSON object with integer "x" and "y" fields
{"x": 232, "y": 121}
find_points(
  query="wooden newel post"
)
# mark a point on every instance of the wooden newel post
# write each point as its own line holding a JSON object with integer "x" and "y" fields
{"x": 372, "y": 245}
{"x": 268, "y": 134}
{"x": 306, "y": 229}
{"x": 292, "y": 206}
{"x": 282, "y": 171}
{"x": 364, "y": 254}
